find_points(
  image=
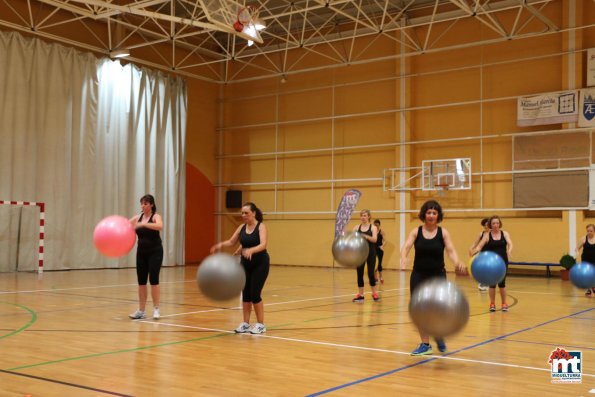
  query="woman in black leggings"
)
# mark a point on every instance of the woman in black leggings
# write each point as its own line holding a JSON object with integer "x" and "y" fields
{"x": 252, "y": 236}
{"x": 380, "y": 241}
{"x": 370, "y": 233}
{"x": 430, "y": 242}
{"x": 149, "y": 255}
{"x": 499, "y": 242}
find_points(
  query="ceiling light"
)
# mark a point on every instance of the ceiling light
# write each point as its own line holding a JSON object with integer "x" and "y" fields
{"x": 259, "y": 24}
{"x": 119, "y": 54}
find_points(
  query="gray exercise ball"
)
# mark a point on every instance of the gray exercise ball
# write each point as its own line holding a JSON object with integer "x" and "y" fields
{"x": 439, "y": 308}
{"x": 221, "y": 277}
{"x": 350, "y": 249}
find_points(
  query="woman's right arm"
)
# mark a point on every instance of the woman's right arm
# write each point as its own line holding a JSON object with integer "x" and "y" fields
{"x": 407, "y": 247}
{"x": 228, "y": 243}
{"x": 480, "y": 245}
{"x": 579, "y": 246}
{"x": 477, "y": 240}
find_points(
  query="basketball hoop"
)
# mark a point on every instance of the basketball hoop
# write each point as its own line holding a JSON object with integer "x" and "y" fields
{"x": 248, "y": 23}
{"x": 442, "y": 189}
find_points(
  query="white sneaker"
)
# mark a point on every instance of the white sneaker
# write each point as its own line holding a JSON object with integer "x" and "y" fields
{"x": 258, "y": 329}
{"x": 156, "y": 314}
{"x": 242, "y": 328}
{"x": 137, "y": 315}
{"x": 482, "y": 287}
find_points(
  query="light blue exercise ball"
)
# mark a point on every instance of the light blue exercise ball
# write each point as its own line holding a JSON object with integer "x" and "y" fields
{"x": 488, "y": 268}
{"x": 582, "y": 275}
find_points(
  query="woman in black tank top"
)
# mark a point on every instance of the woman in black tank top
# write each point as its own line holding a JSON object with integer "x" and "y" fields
{"x": 485, "y": 225}
{"x": 430, "y": 242}
{"x": 252, "y": 236}
{"x": 587, "y": 246}
{"x": 370, "y": 233}
{"x": 149, "y": 255}
{"x": 380, "y": 241}
{"x": 499, "y": 242}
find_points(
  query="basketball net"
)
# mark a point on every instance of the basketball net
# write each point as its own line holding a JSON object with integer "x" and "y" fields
{"x": 442, "y": 189}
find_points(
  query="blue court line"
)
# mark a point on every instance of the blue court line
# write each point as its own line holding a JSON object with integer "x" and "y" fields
{"x": 343, "y": 386}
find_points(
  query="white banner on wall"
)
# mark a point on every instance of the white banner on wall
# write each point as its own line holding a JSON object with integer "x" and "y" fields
{"x": 591, "y": 67}
{"x": 586, "y": 108}
{"x": 592, "y": 187}
{"x": 550, "y": 108}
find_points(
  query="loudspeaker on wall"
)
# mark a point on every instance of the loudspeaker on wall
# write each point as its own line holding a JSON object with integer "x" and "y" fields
{"x": 233, "y": 199}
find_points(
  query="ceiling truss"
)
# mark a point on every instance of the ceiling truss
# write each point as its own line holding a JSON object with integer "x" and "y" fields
{"x": 184, "y": 36}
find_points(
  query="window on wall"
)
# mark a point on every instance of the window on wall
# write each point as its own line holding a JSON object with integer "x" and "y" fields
{"x": 560, "y": 163}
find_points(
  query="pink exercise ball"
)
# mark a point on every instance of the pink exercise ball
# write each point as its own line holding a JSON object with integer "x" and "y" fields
{"x": 114, "y": 236}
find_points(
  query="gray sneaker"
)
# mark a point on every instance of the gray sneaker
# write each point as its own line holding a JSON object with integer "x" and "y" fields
{"x": 258, "y": 329}
{"x": 137, "y": 315}
{"x": 242, "y": 328}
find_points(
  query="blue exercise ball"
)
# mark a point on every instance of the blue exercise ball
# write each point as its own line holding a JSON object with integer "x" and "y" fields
{"x": 488, "y": 268}
{"x": 582, "y": 275}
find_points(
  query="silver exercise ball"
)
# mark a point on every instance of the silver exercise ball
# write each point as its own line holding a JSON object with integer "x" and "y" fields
{"x": 221, "y": 277}
{"x": 350, "y": 249}
{"x": 438, "y": 308}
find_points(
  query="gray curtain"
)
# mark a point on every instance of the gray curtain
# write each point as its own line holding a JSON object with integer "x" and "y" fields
{"x": 87, "y": 137}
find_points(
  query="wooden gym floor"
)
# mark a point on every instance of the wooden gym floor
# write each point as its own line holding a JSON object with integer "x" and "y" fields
{"x": 68, "y": 334}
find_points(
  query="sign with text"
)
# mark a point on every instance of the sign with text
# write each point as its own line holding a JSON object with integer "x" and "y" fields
{"x": 550, "y": 108}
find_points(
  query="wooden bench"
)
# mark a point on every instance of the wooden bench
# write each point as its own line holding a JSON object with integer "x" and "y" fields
{"x": 548, "y": 272}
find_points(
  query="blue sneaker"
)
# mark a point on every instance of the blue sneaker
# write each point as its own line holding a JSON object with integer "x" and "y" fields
{"x": 441, "y": 345}
{"x": 422, "y": 350}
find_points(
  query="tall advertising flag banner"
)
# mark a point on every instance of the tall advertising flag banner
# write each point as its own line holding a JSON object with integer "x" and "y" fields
{"x": 586, "y": 116}
{"x": 346, "y": 207}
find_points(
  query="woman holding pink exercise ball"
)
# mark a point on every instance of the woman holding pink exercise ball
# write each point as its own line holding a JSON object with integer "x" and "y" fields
{"x": 149, "y": 255}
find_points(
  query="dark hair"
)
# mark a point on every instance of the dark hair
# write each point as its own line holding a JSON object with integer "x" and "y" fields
{"x": 147, "y": 198}
{"x": 495, "y": 217}
{"x": 254, "y": 209}
{"x": 484, "y": 221}
{"x": 377, "y": 221}
{"x": 430, "y": 205}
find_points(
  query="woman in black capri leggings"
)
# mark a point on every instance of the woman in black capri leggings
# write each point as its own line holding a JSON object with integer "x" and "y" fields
{"x": 430, "y": 242}
{"x": 370, "y": 233}
{"x": 252, "y": 236}
{"x": 149, "y": 255}
{"x": 499, "y": 242}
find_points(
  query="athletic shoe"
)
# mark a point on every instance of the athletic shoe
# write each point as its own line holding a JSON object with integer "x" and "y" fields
{"x": 492, "y": 307}
{"x": 258, "y": 329}
{"x": 482, "y": 287}
{"x": 441, "y": 345}
{"x": 376, "y": 296}
{"x": 422, "y": 350}
{"x": 242, "y": 328}
{"x": 137, "y": 315}
{"x": 156, "y": 314}
{"x": 504, "y": 307}
{"x": 358, "y": 299}
{"x": 589, "y": 292}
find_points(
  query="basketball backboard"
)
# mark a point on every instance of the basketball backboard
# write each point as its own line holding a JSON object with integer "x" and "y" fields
{"x": 451, "y": 174}
{"x": 442, "y": 175}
